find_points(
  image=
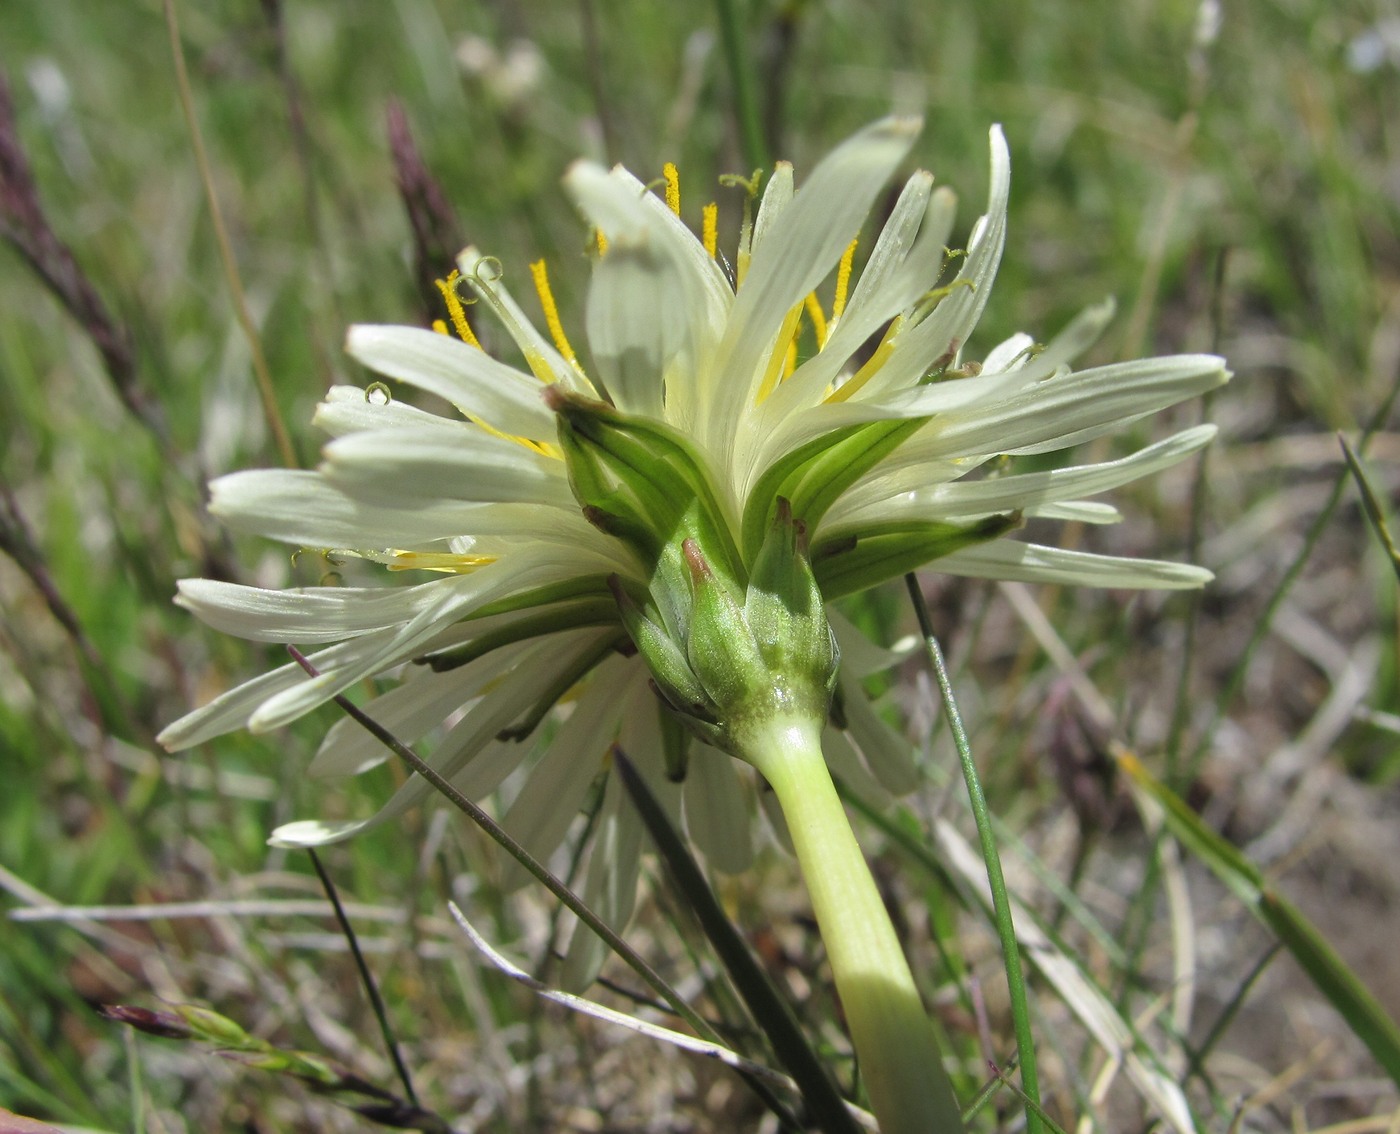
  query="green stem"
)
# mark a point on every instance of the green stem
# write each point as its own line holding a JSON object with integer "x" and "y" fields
{"x": 892, "y": 1034}
{"x": 741, "y": 74}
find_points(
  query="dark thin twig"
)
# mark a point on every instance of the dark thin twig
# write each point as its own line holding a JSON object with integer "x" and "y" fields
{"x": 366, "y": 978}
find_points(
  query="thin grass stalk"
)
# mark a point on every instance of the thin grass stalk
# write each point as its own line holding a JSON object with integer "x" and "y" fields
{"x": 1001, "y": 902}
{"x": 381, "y": 1014}
{"x": 271, "y": 411}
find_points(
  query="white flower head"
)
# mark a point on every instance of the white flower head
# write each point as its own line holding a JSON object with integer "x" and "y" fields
{"x": 564, "y": 508}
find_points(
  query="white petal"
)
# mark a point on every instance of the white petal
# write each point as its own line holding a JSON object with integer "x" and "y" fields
{"x": 641, "y": 741}
{"x": 1084, "y": 331}
{"x": 1014, "y": 561}
{"x": 860, "y": 657}
{"x": 515, "y": 694}
{"x": 948, "y": 326}
{"x": 482, "y": 273}
{"x": 717, "y": 811}
{"x": 458, "y": 596}
{"x": 304, "y": 615}
{"x": 1031, "y": 491}
{"x": 777, "y": 196}
{"x": 349, "y": 409}
{"x": 1054, "y": 413}
{"x": 1077, "y": 511}
{"x": 845, "y": 763}
{"x": 453, "y": 462}
{"x": 799, "y": 428}
{"x": 777, "y": 821}
{"x": 468, "y": 377}
{"x": 796, "y": 253}
{"x": 230, "y": 710}
{"x": 410, "y": 710}
{"x": 302, "y": 508}
{"x": 488, "y": 765}
{"x": 904, "y": 265}
{"x": 657, "y": 302}
{"x": 1001, "y": 357}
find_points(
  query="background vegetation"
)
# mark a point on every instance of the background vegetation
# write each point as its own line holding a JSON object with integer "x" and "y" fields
{"x": 1236, "y": 191}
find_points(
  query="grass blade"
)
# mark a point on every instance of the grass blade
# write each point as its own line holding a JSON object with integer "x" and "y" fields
{"x": 1332, "y": 976}
{"x": 1001, "y": 902}
{"x": 1372, "y": 503}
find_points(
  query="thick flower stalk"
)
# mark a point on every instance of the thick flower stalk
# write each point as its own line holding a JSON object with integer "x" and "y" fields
{"x": 643, "y": 541}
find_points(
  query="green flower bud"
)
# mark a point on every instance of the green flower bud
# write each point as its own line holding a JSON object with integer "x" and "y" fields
{"x": 670, "y": 670}
{"x": 784, "y": 607}
{"x": 722, "y": 650}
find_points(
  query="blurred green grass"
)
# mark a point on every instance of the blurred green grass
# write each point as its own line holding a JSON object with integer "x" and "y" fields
{"x": 1135, "y": 171}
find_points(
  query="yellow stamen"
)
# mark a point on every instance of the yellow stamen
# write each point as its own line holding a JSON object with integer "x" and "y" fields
{"x": 790, "y": 359}
{"x": 455, "y": 309}
{"x": 843, "y": 279}
{"x": 818, "y": 317}
{"x": 673, "y": 187}
{"x": 544, "y": 448}
{"x": 444, "y": 561}
{"x": 870, "y": 369}
{"x": 439, "y": 326}
{"x": 709, "y": 219}
{"x": 551, "y": 312}
{"x": 601, "y": 240}
{"x": 787, "y": 334}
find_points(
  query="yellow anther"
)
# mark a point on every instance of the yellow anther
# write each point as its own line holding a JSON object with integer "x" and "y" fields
{"x": 601, "y": 240}
{"x": 818, "y": 317}
{"x": 673, "y": 187}
{"x": 709, "y": 231}
{"x": 843, "y": 279}
{"x": 787, "y": 338}
{"x": 543, "y": 448}
{"x": 871, "y": 368}
{"x": 551, "y": 312}
{"x": 455, "y": 309}
{"x": 444, "y": 561}
{"x": 439, "y": 326}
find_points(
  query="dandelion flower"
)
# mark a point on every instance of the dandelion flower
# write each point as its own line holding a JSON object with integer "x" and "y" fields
{"x": 726, "y": 457}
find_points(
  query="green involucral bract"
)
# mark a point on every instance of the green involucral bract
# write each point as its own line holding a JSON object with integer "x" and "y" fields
{"x": 726, "y": 639}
